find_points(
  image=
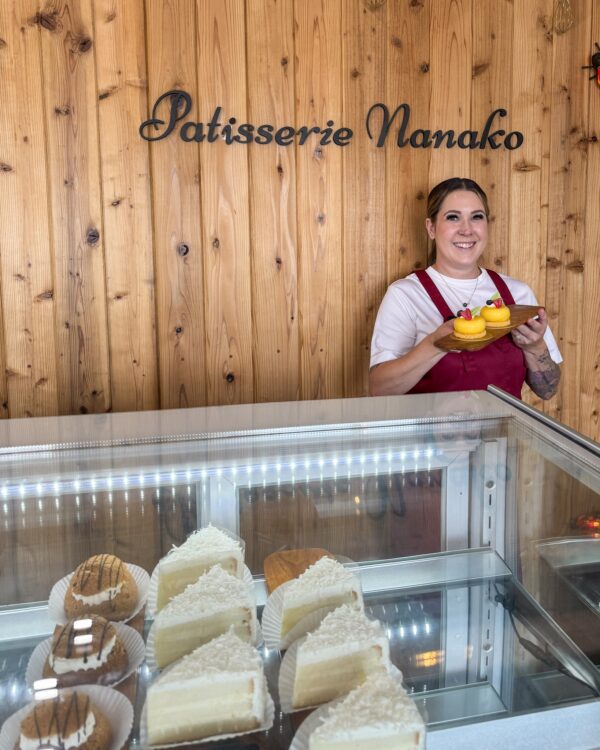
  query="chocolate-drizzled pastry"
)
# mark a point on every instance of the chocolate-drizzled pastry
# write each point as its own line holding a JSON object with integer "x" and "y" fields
{"x": 86, "y": 650}
{"x": 104, "y": 586}
{"x": 70, "y": 721}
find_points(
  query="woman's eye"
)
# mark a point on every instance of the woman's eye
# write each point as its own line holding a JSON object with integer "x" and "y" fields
{"x": 478, "y": 217}
{"x": 451, "y": 217}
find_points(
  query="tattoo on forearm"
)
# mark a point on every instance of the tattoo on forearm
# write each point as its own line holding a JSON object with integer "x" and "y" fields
{"x": 544, "y": 380}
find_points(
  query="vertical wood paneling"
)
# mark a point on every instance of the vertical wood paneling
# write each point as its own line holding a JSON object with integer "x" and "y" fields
{"x": 178, "y": 246}
{"x": 589, "y": 415}
{"x": 531, "y": 82}
{"x": 490, "y": 90}
{"x": 222, "y": 80}
{"x": 74, "y": 185}
{"x": 122, "y": 87}
{"x": 567, "y": 202}
{"x": 28, "y": 342}
{"x": 363, "y": 42}
{"x": 276, "y": 364}
{"x": 187, "y": 273}
{"x": 451, "y": 71}
{"x": 319, "y": 199}
{"x": 408, "y": 80}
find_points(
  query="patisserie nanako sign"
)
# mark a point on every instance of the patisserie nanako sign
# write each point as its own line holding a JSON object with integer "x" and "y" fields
{"x": 383, "y": 126}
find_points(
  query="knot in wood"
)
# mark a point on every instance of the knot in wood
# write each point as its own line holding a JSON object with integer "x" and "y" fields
{"x": 230, "y": 377}
{"x": 84, "y": 45}
{"x": 2, "y": 43}
{"x": 48, "y": 21}
{"x": 178, "y": 330}
{"x": 92, "y": 236}
{"x": 355, "y": 72}
{"x": 284, "y": 61}
{"x": 278, "y": 262}
{"x": 424, "y": 67}
{"x": 216, "y": 244}
{"x": 183, "y": 249}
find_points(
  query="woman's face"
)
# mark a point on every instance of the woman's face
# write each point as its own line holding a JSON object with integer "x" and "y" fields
{"x": 460, "y": 231}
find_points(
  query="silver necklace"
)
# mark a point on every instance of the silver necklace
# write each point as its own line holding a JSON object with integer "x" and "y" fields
{"x": 453, "y": 293}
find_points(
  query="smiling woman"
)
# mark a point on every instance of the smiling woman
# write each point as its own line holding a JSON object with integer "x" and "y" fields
{"x": 419, "y": 309}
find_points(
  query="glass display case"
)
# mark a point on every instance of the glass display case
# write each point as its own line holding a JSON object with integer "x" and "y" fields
{"x": 473, "y": 522}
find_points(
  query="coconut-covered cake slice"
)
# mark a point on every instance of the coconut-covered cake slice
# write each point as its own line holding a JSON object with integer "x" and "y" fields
{"x": 326, "y": 584}
{"x": 206, "y": 609}
{"x": 377, "y": 715}
{"x": 200, "y": 551}
{"x": 338, "y": 656}
{"x": 219, "y": 688}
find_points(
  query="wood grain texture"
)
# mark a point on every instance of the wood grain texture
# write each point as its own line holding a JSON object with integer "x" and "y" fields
{"x": 567, "y": 203}
{"x": 319, "y": 200}
{"x": 74, "y": 185}
{"x": 28, "y": 380}
{"x": 221, "y": 46}
{"x": 126, "y": 193}
{"x": 408, "y": 79}
{"x": 588, "y": 418}
{"x": 276, "y": 354}
{"x": 531, "y": 82}
{"x": 187, "y": 273}
{"x": 178, "y": 242}
{"x": 364, "y": 260}
{"x": 491, "y": 89}
{"x": 451, "y": 73}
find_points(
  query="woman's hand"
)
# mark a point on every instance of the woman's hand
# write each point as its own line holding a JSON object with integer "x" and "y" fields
{"x": 398, "y": 376}
{"x": 530, "y": 336}
{"x": 445, "y": 329}
{"x": 543, "y": 374}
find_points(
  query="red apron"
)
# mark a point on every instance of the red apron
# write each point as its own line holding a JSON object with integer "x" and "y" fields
{"x": 500, "y": 363}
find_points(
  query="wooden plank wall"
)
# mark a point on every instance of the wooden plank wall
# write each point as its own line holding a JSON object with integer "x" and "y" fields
{"x": 139, "y": 275}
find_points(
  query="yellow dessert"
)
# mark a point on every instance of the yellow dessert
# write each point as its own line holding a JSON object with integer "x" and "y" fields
{"x": 496, "y": 314}
{"x": 468, "y": 326}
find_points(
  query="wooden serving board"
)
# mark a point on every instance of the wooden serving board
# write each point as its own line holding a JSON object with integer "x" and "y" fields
{"x": 519, "y": 314}
{"x": 280, "y": 567}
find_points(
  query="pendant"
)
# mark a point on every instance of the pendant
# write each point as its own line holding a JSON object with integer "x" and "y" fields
{"x": 464, "y": 304}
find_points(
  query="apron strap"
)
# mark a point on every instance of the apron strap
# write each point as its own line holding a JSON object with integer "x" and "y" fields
{"x": 435, "y": 295}
{"x": 503, "y": 290}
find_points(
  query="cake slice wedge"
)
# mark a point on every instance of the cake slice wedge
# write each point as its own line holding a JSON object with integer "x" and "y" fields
{"x": 205, "y": 610}
{"x": 219, "y": 688}
{"x": 338, "y": 656}
{"x": 377, "y": 715}
{"x": 326, "y": 584}
{"x": 201, "y": 550}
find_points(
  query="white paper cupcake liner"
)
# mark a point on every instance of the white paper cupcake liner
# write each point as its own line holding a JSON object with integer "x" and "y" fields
{"x": 151, "y": 648}
{"x": 116, "y": 708}
{"x": 264, "y": 727}
{"x": 153, "y": 588}
{"x": 132, "y": 641}
{"x": 287, "y": 676}
{"x": 272, "y": 619}
{"x": 56, "y": 608}
{"x": 302, "y": 737}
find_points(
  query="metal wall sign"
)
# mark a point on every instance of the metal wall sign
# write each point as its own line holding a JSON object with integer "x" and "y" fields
{"x": 170, "y": 115}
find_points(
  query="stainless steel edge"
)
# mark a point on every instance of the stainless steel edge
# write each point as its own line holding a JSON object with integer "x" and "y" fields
{"x": 555, "y": 425}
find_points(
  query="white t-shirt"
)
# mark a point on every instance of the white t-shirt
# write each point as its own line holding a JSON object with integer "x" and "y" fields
{"x": 407, "y": 313}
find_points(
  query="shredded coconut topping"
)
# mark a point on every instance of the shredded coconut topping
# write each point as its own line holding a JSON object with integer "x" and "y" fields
{"x": 343, "y": 625}
{"x": 214, "y": 591}
{"x": 380, "y": 703}
{"x": 210, "y": 540}
{"x": 325, "y": 572}
{"x": 227, "y": 653}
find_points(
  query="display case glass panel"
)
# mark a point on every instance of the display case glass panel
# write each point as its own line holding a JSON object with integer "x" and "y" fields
{"x": 474, "y": 527}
